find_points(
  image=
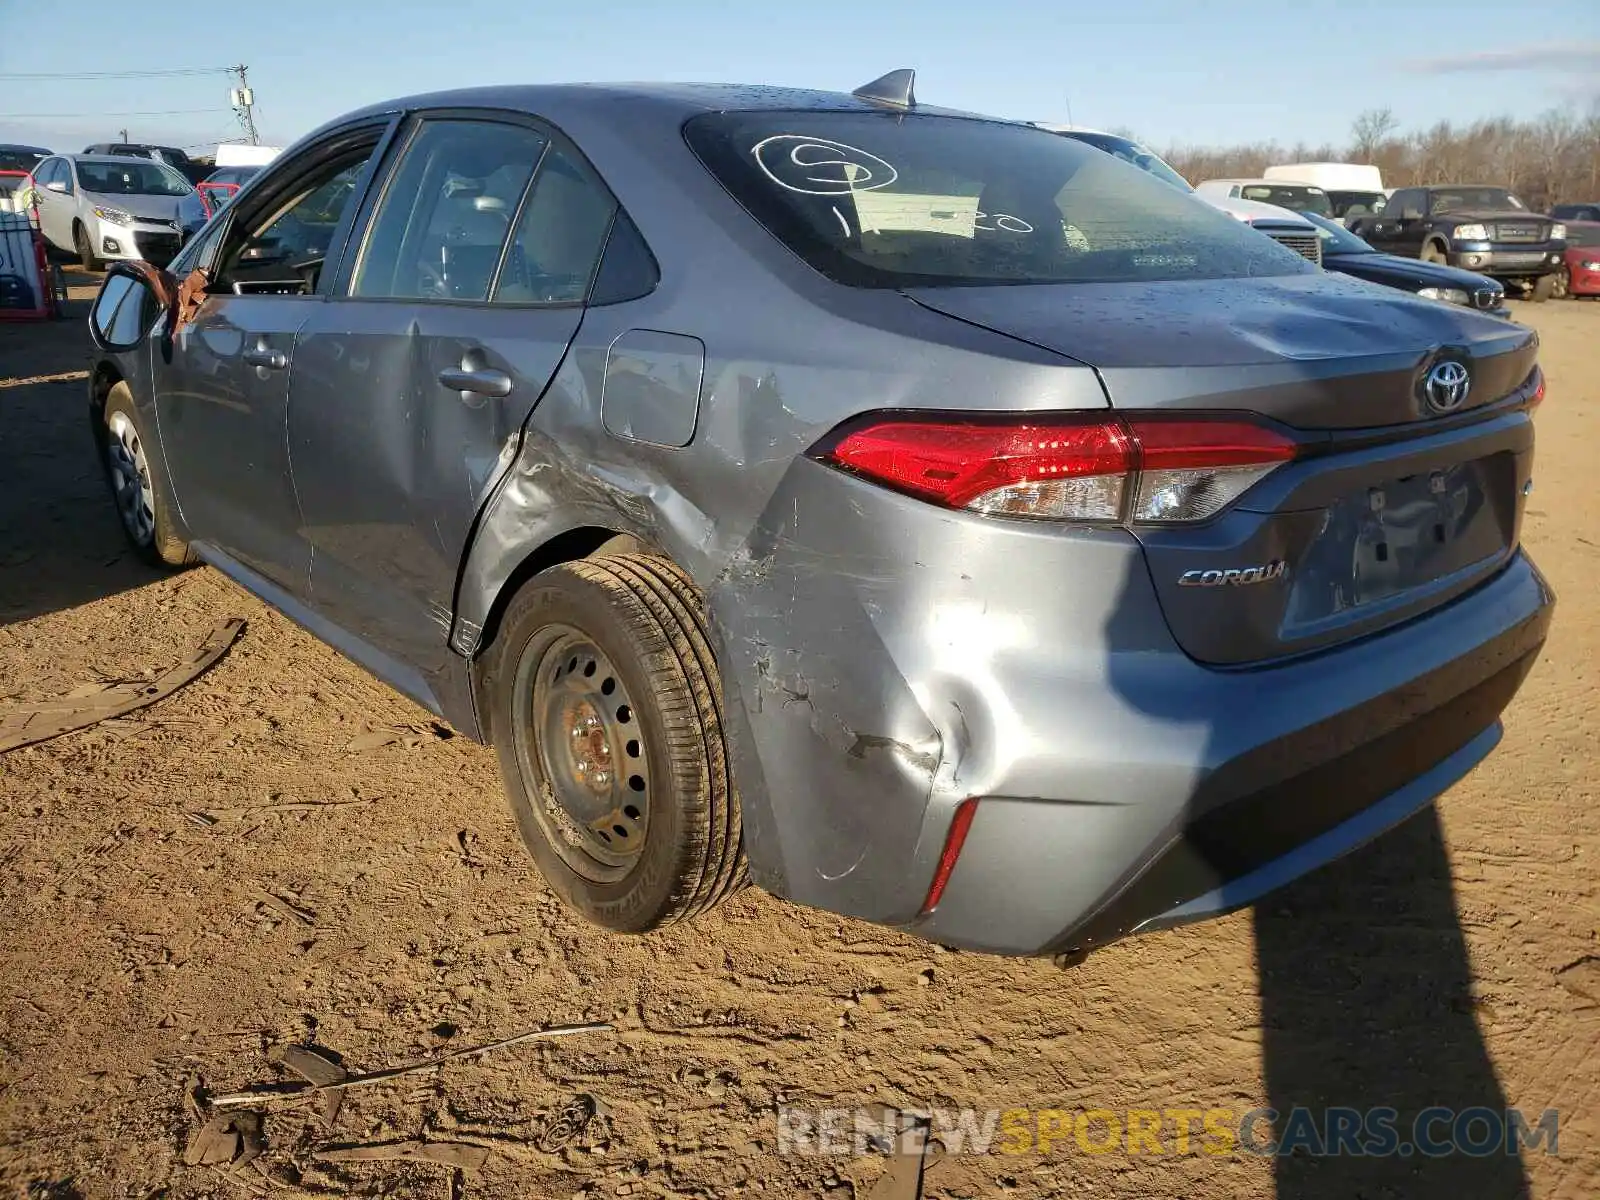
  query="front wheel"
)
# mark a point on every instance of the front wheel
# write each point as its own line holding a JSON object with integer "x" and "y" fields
{"x": 141, "y": 501}
{"x": 86, "y": 255}
{"x": 605, "y": 708}
{"x": 1432, "y": 252}
{"x": 1543, "y": 289}
{"x": 1563, "y": 285}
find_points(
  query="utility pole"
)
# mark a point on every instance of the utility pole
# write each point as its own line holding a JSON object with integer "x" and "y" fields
{"x": 243, "y": 101}
{"x": 124, "y": 134}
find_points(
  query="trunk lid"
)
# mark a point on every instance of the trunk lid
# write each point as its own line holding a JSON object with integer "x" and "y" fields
{"x": 1394, "y": 507}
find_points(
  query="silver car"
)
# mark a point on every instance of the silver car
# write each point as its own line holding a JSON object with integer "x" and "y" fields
{"x": 105, "y": 207}
{"x": 927, "y": 517}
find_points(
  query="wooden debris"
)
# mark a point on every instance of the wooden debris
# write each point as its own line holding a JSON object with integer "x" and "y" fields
{"x": 27, "y": 724}
{"x": 287, "y": 907}
{"x": 264, "y": 1096}
{"x": 226, "y": 1138}
{"x": 462, "y": 1155}
{"x": 322, "y": 1072}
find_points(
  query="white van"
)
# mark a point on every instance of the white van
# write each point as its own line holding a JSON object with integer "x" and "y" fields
{"x": 1354, "y": 189}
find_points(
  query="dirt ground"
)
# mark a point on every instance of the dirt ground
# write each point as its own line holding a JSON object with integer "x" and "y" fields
{"x": 185, "y": 891}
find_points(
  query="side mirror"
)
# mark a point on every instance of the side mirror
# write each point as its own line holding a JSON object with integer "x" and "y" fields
{"x": 131, "y": 299}
{"x": 56, "y": 185}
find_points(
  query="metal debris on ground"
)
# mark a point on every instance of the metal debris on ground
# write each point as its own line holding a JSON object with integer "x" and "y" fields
{"x": 273, "y": 1094}
{"x": 565, "y": 1124}
{"x": 26, "y": 724}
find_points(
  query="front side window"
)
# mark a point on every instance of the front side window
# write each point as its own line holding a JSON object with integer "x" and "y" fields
{"x": 133, "y": 177}
{"x": 446, "y": 213}
{"x": 897, "y": 200}
{"x": 1458, "y": 200}
{"x": 282, "y": 250}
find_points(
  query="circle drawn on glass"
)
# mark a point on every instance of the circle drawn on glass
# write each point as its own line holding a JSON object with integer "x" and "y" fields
{"x": 816, "y": 166}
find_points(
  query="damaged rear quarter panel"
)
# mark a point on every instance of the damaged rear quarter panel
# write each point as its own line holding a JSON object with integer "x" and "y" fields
{"x": 834, "y": 757}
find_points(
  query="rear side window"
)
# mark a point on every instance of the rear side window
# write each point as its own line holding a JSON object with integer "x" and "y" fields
{"x": 1297, "y": 199}
{"x": 559, "y": 235}
{"x": 446, "y": 213}
{"x": 897, "y": 200}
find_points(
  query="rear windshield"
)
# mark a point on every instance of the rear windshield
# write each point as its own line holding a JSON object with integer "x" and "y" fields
{"x": 1298, "y": 197}
{"x": 135, "y": 177}
{"x": 1583, "y": 235}
{"x": 896, "y": 200}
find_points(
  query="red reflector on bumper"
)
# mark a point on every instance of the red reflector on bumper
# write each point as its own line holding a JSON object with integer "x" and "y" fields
{"x": 953, "y": 840}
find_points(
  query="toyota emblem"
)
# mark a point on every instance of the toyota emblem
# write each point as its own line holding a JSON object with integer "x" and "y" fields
{"x": 1446, "y": 385}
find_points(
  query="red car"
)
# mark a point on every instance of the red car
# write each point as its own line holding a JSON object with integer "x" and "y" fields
{"x": 1581, "y": 274}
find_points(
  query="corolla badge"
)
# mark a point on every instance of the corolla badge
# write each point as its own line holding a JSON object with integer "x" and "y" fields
{"x": 1446, "y": 385}
{"x": 1234, "y": 576}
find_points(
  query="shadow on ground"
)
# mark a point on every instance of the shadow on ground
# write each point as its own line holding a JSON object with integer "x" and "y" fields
{"x": 1366, "y": 1003}
{"x": 60, "y": 542}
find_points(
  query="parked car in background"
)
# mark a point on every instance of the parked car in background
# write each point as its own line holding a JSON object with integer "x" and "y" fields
{"x": 211, "y": 194}
{"x": 103, "y": 207}
{"x": 1281, "y": 225}
{"x": 1344, "y": 252}
{"x": 1478, "y": 228}
{"x": 1580, "y": 272}
{"x": 1576, "y": 212}
{"x": 907, "y": 559}
{"x": 17, "y": 164}
{"x": 14, "y": 157}
{"x": 1354, "y": 189}
{"x": 1296, "y": 197}
{"x": 171, "y": 155}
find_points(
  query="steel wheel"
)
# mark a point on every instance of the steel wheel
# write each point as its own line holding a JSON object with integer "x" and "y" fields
{"x": 576, "y": 729}
{"x": 130, "y": 479}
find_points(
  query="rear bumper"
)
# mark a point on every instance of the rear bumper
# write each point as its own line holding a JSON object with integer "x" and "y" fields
{"x": 1123, "y": 785}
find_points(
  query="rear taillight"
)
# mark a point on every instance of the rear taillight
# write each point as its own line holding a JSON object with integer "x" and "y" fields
{"x": 1536, "y": 397}
{"x": 1141, "y": 468}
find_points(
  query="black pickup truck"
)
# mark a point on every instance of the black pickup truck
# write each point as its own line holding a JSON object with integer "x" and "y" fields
{"x": 1482, "y": 229}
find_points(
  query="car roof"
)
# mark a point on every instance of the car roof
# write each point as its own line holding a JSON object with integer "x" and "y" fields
{"x": 115, "y": 160}
{"x": 13, "y": 146}
{"x": 1316, "y": 187}
{"x": 686, "y": 99}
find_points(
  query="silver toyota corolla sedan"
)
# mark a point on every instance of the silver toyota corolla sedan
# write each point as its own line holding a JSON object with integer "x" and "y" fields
{"x": 924, "y": 516}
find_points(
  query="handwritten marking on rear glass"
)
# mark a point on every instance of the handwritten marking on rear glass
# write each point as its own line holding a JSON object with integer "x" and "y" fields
{"x": 820, "y": 167}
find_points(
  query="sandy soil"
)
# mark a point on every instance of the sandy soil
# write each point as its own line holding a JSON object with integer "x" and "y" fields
{"x": 185, "y": 891}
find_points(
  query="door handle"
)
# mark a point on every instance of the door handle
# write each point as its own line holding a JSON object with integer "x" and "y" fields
{"x": 481, "y": 381}
{"x": 263, "y": 355}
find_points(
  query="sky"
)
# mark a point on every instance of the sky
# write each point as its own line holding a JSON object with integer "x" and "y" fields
{"x": 1176, "y": 72}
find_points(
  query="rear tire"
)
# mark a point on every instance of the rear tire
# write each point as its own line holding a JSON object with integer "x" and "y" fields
{"x": 136, "y": 489}
{"x": 86, "y": 255}
{"x": 1543, "y": 289}
{"x": 1433, "y": 252}
{"x": 605, "y": 708}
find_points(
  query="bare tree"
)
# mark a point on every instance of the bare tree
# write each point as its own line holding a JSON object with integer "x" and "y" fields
{"x": 1370, "y": 130}
{"x": 1551, "y": 159}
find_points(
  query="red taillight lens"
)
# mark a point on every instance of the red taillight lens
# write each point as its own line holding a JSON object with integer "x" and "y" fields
{"x": 1537, "y": 397}
{"x": 953, "y": 841}
{"x": 1065, "y": 467}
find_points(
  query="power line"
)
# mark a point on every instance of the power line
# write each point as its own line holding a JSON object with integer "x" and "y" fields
{"x": 119, "y": 74}
{"x": 165, "y": 112}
